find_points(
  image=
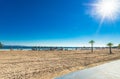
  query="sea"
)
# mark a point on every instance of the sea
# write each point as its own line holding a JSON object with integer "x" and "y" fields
{"x": 7, "y": 48}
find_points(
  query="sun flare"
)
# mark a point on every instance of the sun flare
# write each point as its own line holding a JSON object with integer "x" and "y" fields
{"x": 106, "y": 9}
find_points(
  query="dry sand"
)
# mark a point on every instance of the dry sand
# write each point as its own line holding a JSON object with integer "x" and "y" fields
{"x": 49, "y": 64}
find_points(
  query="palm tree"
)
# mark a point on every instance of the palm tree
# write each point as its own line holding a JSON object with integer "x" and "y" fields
{"x": 110, "y": 47}
{"x": 92, "y": 42}
{"x": 1, "y": 45}
{"x": 118, "y": 46}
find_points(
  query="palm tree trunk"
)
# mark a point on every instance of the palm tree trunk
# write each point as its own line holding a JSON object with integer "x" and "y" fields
{"x": 110, "y": 50}
{"x": 92, "y": 48}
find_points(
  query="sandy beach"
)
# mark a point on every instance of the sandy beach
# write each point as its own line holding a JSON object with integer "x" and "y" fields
{"x": 45, "y": 39}
{"x": 49, "y": 64}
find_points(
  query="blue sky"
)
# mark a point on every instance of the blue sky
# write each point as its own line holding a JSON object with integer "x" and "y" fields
{"x": 53, "y": 23}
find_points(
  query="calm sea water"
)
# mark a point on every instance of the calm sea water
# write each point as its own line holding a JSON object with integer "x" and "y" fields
{"x": 7, "y": 48}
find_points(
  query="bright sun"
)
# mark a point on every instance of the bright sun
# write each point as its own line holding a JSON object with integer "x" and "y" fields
{"x": 106, "y": 9}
